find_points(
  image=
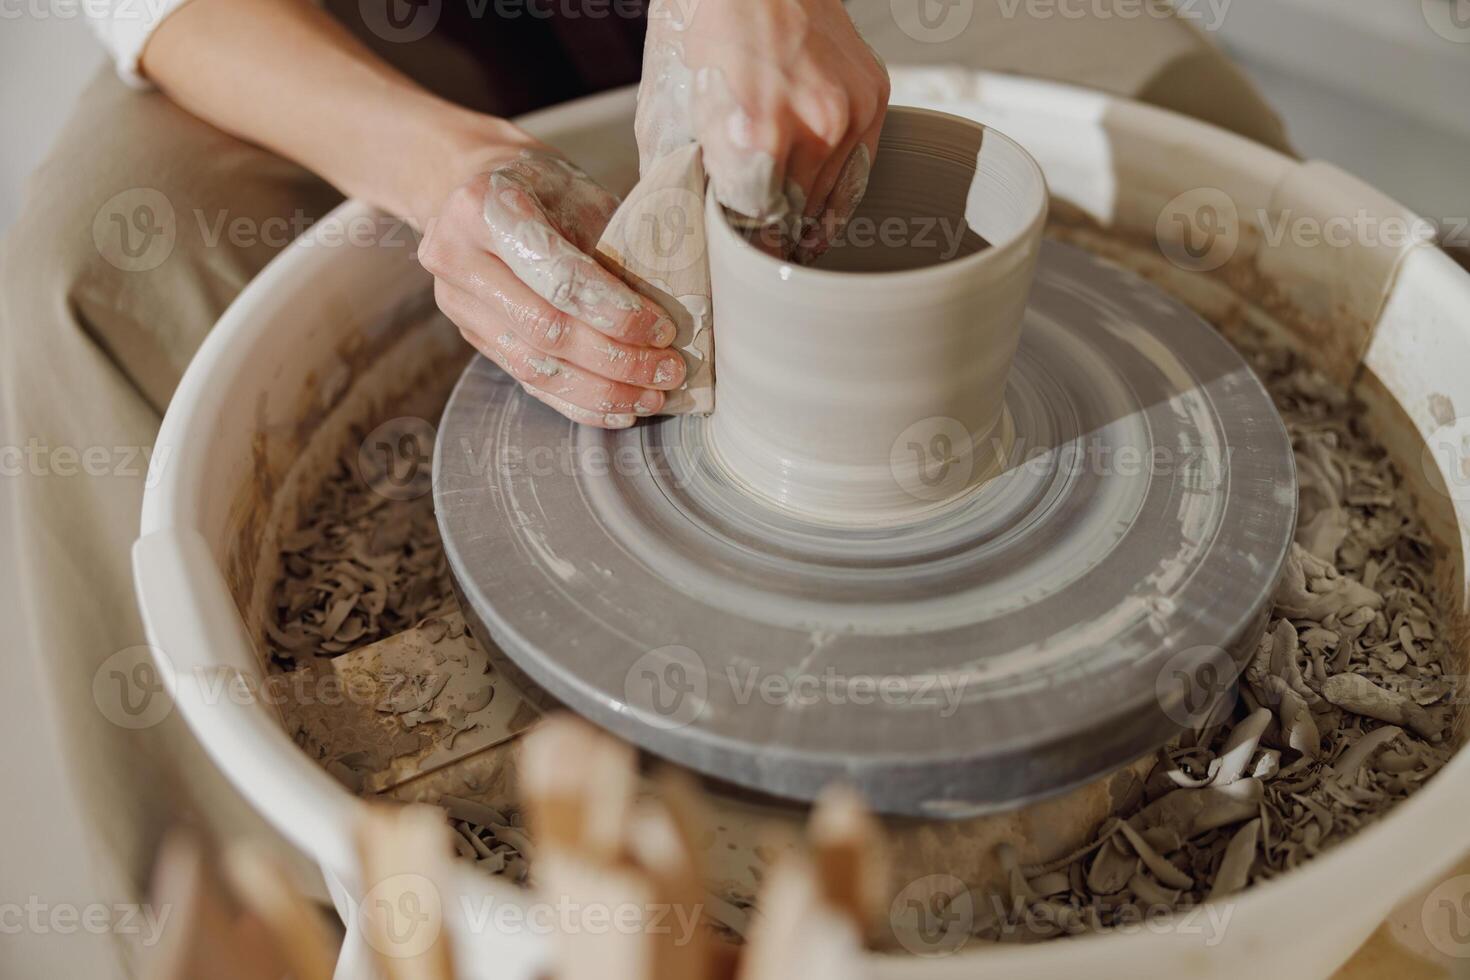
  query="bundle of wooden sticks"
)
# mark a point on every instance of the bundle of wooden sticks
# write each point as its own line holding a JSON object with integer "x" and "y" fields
{"x": 599, "y": 846}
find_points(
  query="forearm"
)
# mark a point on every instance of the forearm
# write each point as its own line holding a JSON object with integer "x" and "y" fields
{"x": 284, "y": 75}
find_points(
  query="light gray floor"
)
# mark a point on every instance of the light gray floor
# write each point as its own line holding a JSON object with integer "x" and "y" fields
{"x": 43, "y": 65}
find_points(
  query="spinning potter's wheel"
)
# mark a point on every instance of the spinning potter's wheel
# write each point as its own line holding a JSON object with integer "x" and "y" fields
{"x": 1066, "y": 616}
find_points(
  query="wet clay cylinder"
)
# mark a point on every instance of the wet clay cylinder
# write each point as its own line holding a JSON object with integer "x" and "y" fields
{"x": 869, "y": 388}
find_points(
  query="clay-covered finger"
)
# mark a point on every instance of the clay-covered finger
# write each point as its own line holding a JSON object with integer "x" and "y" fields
{"x": 576, "y": 385}
{"x": 810, "y": 170}
{"x": 526, "y": 240}
{"x": 533, "y": 380}
{"x": 600, "y": 401}
{"x": 570, "y": 383}
{"x": 824, "y": 111}
{"x": 849, "y": 184}
{"x": 746, "y": 138}
{"x": 647, "y": 367}
{"x": 837, "y": 191}
{"x": 495, "y": 303}
{"x": 577, "y": 413}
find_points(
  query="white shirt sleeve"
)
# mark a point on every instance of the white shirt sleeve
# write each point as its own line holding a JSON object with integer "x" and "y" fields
{"x": 125, "y": 27}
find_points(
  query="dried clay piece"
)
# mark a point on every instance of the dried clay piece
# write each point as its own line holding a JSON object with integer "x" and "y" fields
{"x": 1313, "y": 589}
{"x": 655, "y": 243}
{"x": 436, "y": 699}
{"x": 1294, "y": 768}
{"x": 1355, "y": 693}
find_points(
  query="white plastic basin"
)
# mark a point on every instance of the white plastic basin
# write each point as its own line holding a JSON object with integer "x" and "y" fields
{"x": 1393, "y": 321}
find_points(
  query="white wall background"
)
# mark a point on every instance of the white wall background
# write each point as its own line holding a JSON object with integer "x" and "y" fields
{"x": 43, "y": 65}
{"x": 1379, "y": 87}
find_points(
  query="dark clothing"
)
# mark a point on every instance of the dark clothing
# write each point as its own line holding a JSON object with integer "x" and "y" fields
{"x": 527, "y": 54}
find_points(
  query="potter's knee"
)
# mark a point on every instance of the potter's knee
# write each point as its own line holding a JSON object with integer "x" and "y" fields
{"x": 90, "y": 271}
{"x": 141, "y": 227}
{"x": 40, "y": 257}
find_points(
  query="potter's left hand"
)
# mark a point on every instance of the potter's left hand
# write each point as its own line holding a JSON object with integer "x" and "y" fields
{"x": 509, "y": 252}
{"x": 785, "y": 99}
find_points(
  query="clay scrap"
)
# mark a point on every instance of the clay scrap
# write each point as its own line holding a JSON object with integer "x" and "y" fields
{"x": 1345, "y": 709}
{"x": 361, "y": 566}
{"x": 433, "y": 691}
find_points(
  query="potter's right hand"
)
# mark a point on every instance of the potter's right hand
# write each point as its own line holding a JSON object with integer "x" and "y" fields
{"x": 784, "y": 98}
{"x": 509, "y": 252}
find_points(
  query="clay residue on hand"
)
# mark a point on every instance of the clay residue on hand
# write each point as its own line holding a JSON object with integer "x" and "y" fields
{"x": 676, "y": 106}
{"x": 818, "y": 234}
{"x": 535, "y": 209}
{"x": 661, "y": 123}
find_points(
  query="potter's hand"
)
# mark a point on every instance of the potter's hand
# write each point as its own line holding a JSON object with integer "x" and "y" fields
{"x": 783, "y": 96}
{"x": 509, "y": 254}
{"x": 506, "y": 247}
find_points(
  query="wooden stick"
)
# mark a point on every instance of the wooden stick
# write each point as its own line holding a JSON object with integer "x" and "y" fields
{"x": 404, "y": 853}
{"x": 207, "y": 936}
{"x": 847, "y": 845}
{"x": 596, "y": 848}
{"x": 263, "y": 885}
{"x": 678, "y": 937}
{"x": 798, "y": 934}
{"x": 578, "y": 785}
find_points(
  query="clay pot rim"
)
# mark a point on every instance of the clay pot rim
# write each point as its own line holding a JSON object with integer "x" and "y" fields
{"x": 999, "y": 252}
